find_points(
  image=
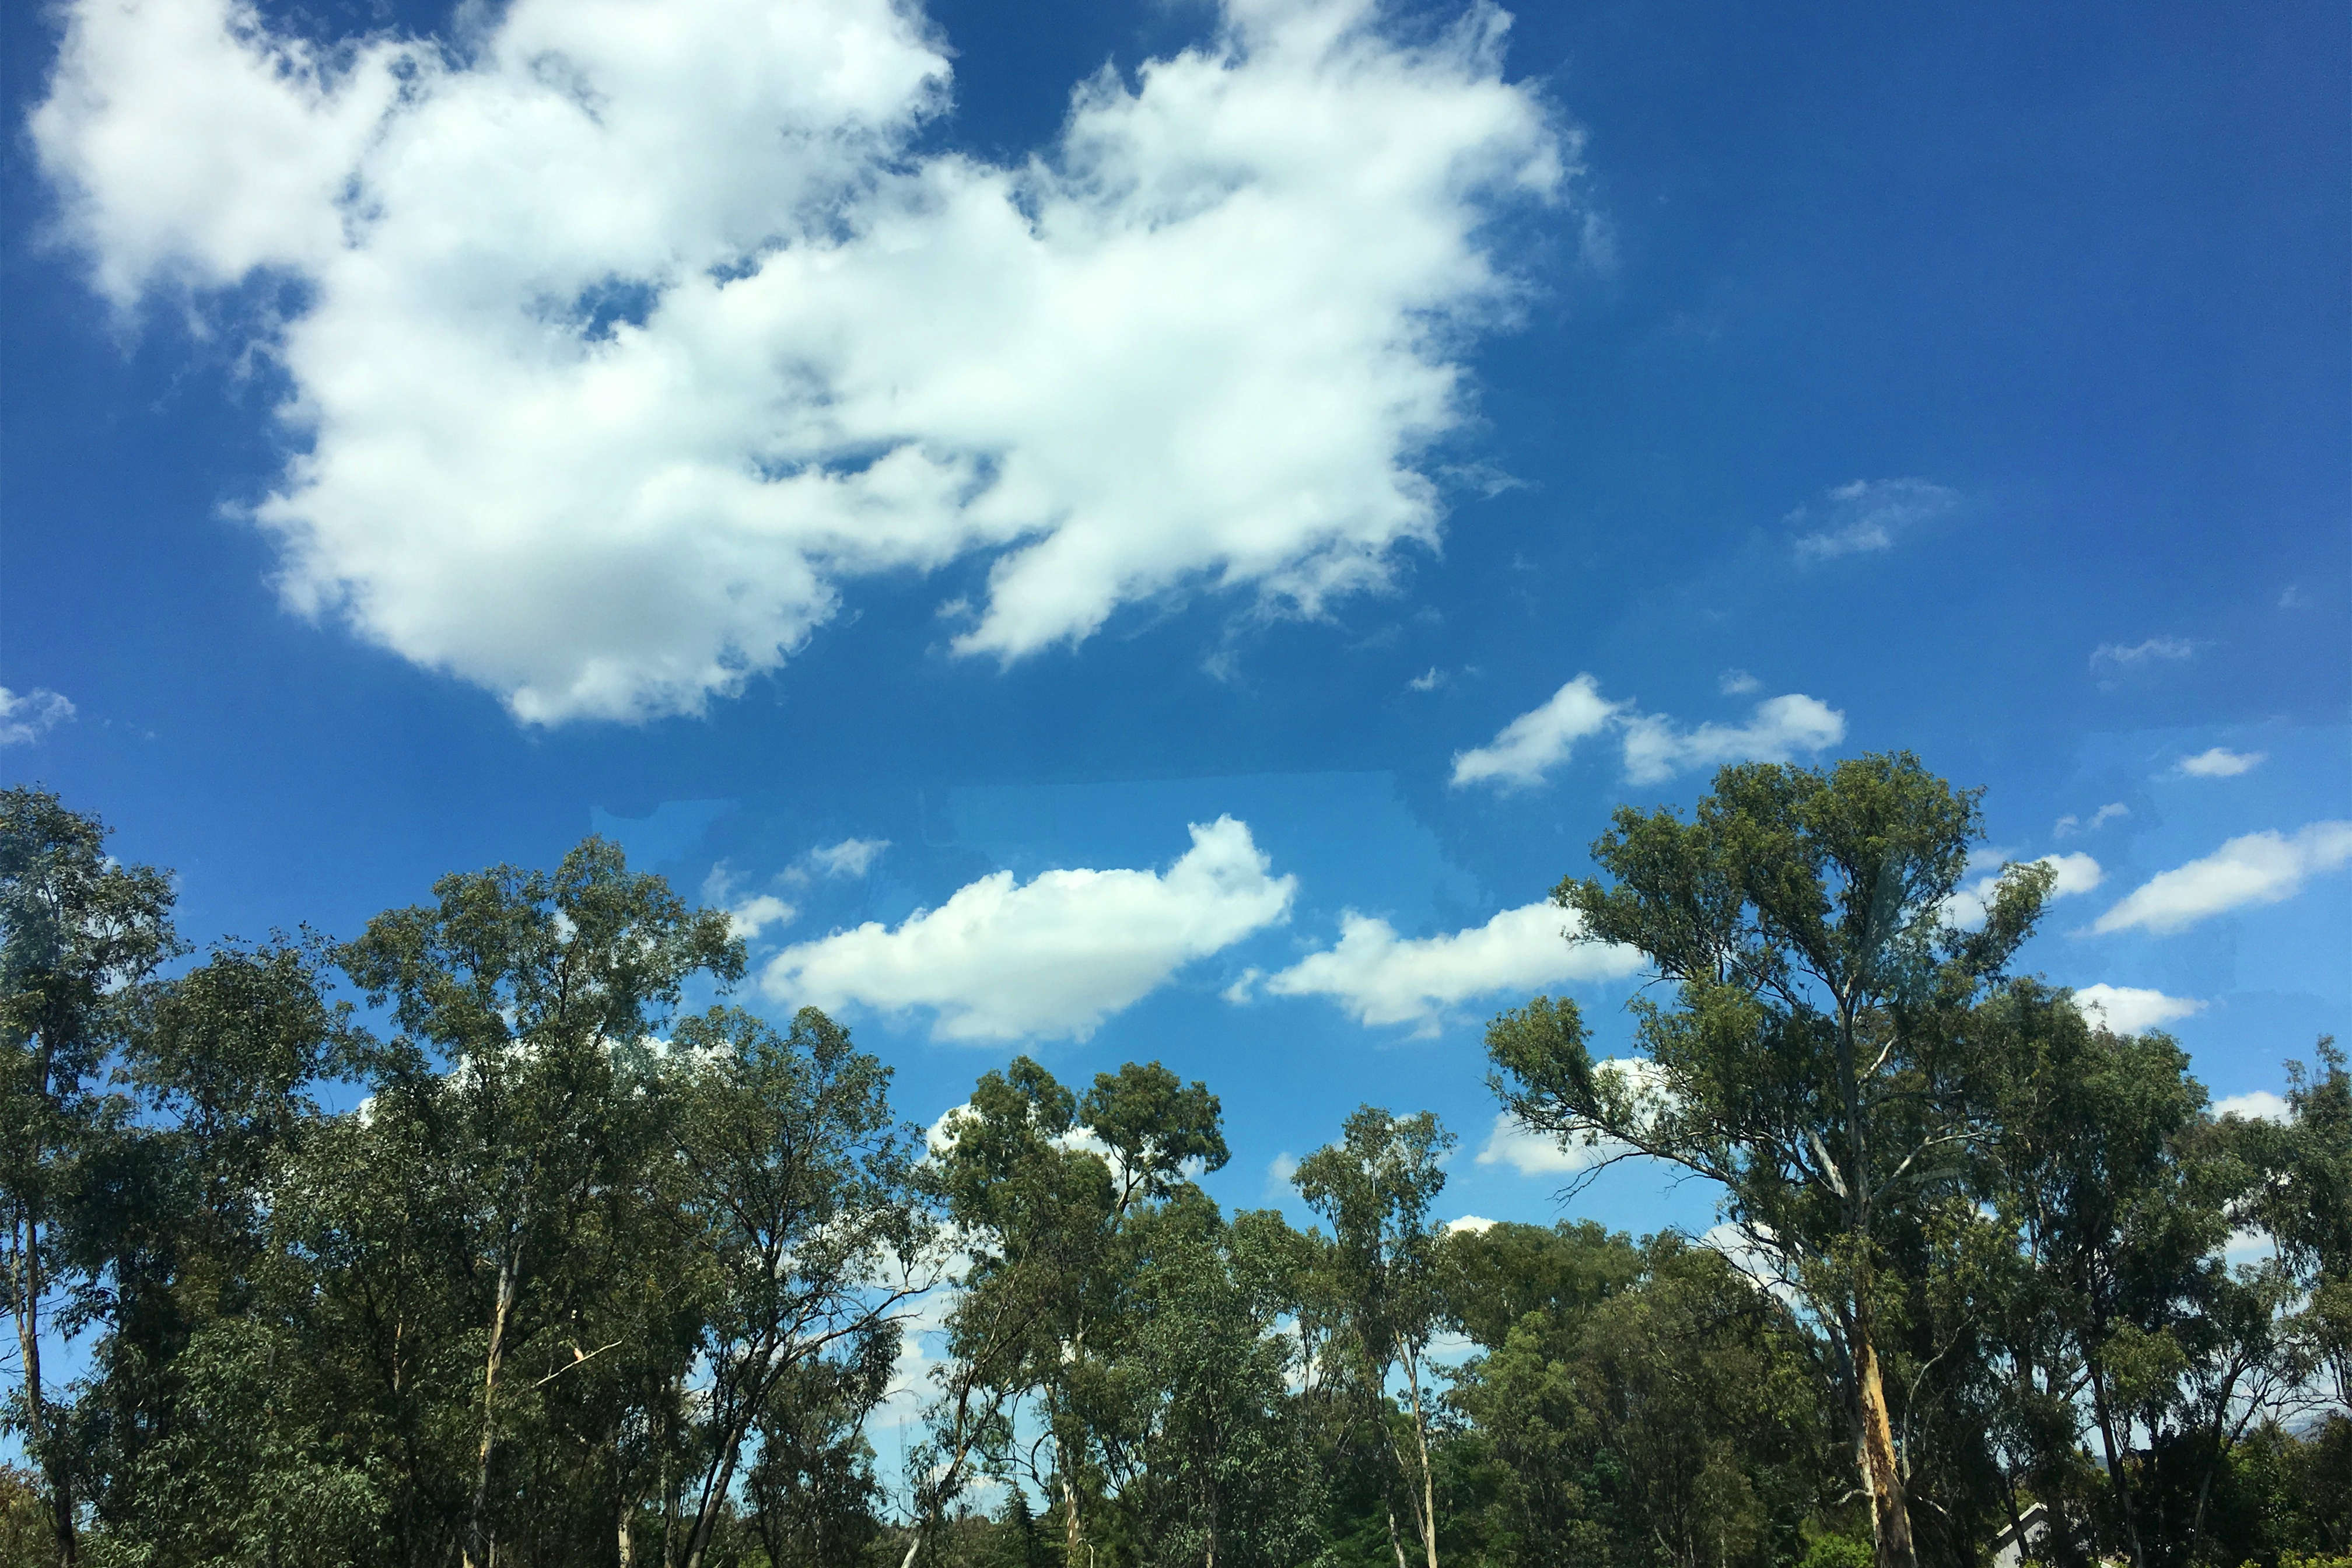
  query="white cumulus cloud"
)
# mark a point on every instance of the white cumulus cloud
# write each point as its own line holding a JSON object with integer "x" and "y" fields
{"x": 1382, "y": 978}
{"x": 1653, "y": 747}
{"x": 2130, "y": 1009}
{"x": 2221, "y": 762}
{"x": 1781, "y": 729}
{"x": 1539, "y": 740}
{"x": 629, "y": 333}
{"x": 2254, "y": 869}
{"x": 2256, "y": 1105}
{"x": 1047, "y": 959}
{"x": 25, "y": 717}
{"x": 1867, "y": 515}
{"x": 2076, "y": 873}
{"x": 1533, "y": 1154}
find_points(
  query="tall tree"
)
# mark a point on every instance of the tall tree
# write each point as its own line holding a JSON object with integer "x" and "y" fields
{"x": 1045, "y": 1189}
{"x": 77, "y": 933}
{"x": 1815, "y": 1060}
{"x": 515, "y": 994}
{"x": 1381, "y": 1271}
{"x": 800, "y": 1190}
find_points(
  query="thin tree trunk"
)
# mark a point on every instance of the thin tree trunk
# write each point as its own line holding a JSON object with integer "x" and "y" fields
{"x": 1396, "y": 1544}
{"x": 714, "y": 1497}
{"x": 1073, "y": 1537}
{"x": 2116, "y": 1474}
{"x": 37, "y": 1414}
{"x": 1890, "y": 1515}
{"x": 1428, "y": 1481}
{"x": 623, "y": 1507}
{"x": 477, "y": 1548}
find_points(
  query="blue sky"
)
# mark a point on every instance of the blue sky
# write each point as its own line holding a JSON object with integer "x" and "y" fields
{"x": 1086, "y": 523}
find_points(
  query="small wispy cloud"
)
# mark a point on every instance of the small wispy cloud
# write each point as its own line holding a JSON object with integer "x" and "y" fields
{"x": 747, "y": 914}
{"x": 1429, "y": 681}
{"x": 2155, "y": 650}
{"x": 1737, "y": 683}
{"x": 850, "y": 858}
{"x": 2069, "y": 825}
{"x": 1867, "y": 515}
{"x": 25, "y": 717}
{"x": 2221, "y": 762}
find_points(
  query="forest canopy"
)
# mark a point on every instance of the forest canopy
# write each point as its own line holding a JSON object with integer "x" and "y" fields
{"x": 471, "y": 1239}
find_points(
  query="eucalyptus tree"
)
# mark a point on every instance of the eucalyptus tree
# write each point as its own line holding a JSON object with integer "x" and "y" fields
{"x": 1380, "y": 1275}
{"x": 2302, "y": 1201}
{"x": 1044, "y": 1190}
{"x": 1815, "y": 1059}
{"x": 799, "y": 1193}
{"x": 196, "y": 1347}
{"x": 1225, "y": 1471}
{"x": 517, "y": 996}
{"x": 77, "y": 933}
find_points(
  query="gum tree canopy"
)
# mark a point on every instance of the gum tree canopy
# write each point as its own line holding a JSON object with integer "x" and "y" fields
{"x": 1816, "y": 1057}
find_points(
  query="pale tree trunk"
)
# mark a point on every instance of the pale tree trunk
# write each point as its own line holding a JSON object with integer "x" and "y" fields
{"x": 1396, "y": 1542}
{"x": 476, "y": 1554}
{"x": 1428, "y": 1519}
{"x": 1890, "y": 1515}
{"x": 1073, "y": 1537}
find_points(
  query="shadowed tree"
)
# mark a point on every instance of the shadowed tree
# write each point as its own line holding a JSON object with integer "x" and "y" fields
{"x": 77, "y": 933}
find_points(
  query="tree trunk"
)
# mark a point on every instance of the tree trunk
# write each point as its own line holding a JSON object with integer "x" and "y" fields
{"x": 1396, "y": 1544}
{"x": 477, "y": 1548}
{"x": 1890, "y": 1514}
{"x": 2118, "y": 1475}
{"x": 37, "y": 1414}
{"x": 1428, "y": 1520}
{"x": 1072, "y": 1538}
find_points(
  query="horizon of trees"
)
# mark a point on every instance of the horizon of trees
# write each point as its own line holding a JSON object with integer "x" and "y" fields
{"x": 585, "y": 1276}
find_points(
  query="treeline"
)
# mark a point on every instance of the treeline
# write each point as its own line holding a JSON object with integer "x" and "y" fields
{"x": 583, "y": 1276}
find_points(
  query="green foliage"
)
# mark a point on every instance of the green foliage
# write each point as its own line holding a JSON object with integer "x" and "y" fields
{"x": 574, "y": 1279}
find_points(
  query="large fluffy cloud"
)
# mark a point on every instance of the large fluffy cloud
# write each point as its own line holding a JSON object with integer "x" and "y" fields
{"x": 1382, "y": 978}
{"x": 1049, "y": 958}
{"x": 2256, "y": 868}
{"x": 628, "y": 331}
